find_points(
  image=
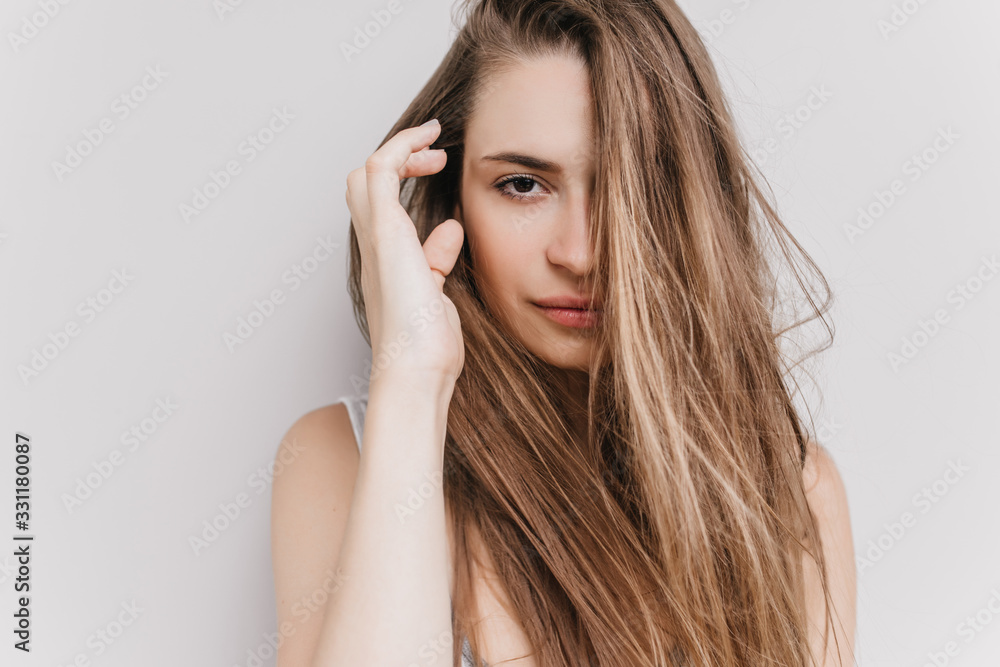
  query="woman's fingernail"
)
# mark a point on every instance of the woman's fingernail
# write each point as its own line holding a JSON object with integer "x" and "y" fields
{"x": 432, "y": 121}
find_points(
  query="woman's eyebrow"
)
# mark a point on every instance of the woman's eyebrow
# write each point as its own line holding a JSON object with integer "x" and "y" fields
{"x": 527, "y": 161}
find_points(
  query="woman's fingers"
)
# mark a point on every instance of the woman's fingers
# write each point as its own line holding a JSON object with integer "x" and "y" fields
{"x": 442, "y": 248}
{"x": 385, "y": 167}
{"x": 421, "y": 163}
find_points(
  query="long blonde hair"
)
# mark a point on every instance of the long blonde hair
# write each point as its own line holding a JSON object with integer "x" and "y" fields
{"x": 674, "y": 533}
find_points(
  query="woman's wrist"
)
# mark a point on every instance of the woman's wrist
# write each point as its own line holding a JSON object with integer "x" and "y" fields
{"x": 412, "y": 409}
{"x": 414, "y": 385}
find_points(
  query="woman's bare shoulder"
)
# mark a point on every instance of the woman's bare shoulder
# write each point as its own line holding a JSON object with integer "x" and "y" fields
{"x": 315, "y": 467}
{"x": 316, "y": 459}
{"x": 323, "y": 423}
{"x": 319, "y": 448}
{"x": 827, "y": 497}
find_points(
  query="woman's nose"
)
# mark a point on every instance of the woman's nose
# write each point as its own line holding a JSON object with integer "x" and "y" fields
{"x": 570, "y": 245}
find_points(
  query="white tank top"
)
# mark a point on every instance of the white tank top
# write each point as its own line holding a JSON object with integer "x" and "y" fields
{"x": 356, "y": 407}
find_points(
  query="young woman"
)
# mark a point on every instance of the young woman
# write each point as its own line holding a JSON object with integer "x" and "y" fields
{"x": 579, "y": 446}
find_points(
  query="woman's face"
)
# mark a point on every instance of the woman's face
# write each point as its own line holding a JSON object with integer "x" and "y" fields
{"x": 527, "y": 178}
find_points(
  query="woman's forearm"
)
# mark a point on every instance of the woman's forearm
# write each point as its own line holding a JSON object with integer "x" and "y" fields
{"x": 394, "y": 605}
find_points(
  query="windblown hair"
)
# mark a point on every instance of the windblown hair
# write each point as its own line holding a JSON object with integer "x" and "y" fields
{"x": 675, "y": 533}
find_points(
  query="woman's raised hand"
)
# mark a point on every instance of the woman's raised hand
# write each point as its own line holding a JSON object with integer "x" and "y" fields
{"x": 415, "y": 328}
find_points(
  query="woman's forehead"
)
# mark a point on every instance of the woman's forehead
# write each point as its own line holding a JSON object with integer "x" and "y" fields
{"x": 540, "y": 108}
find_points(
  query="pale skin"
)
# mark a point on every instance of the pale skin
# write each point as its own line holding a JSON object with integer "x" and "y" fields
{"x": 333, "y": 507}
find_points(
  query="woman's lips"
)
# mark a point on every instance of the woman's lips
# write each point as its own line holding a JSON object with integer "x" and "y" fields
{"x": 577, "y": 318}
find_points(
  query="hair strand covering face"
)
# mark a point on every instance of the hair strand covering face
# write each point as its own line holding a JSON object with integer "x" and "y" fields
{"x": 675, "y": 533}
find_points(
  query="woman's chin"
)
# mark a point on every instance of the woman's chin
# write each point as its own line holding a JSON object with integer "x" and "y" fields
{"x": 575, "y": 355}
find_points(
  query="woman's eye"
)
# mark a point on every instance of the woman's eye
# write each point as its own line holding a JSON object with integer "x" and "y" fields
{"x": 520, "y": 187}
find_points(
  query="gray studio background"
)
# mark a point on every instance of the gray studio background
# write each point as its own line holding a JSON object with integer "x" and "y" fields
{"x": 887, "y": 107}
